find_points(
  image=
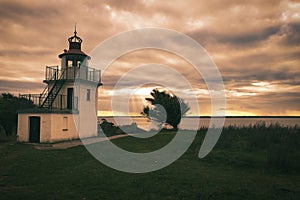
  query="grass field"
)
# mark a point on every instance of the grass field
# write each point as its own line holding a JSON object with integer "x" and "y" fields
{"x": 255, "y": 162}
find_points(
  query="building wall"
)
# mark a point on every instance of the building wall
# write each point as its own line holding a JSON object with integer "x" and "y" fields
{"x": 86, "y": 122}
{"x": 45, "y": 129}
{"x": 87, "y": 119}
{"x": 62, "y": 126}
{"x": 53, "y": 127}
{"x": 57, "y": 126}
{"x": 23, "y": 127}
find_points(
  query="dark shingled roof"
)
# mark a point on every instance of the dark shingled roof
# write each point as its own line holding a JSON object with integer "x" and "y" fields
{"x": 74, "y": 46}
{"x": 72, "y": 51}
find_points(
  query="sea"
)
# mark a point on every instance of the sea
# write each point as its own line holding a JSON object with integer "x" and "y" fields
{"x": 194, "y": 123}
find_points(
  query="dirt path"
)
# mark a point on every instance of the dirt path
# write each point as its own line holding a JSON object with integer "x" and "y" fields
{"x": 74, "y": 143}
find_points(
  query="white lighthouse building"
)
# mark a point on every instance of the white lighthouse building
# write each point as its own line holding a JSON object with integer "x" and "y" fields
{"x": 67, "y": 108}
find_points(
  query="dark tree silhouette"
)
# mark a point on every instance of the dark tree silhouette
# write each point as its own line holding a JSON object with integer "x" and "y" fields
{"x": 9, "y": 104}
{"x": 174, "y": 108}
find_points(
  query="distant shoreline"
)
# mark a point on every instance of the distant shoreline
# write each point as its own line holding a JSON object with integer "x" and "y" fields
{"x": 210, "y": 116}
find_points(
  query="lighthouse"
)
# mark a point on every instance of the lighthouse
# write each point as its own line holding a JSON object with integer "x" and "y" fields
{"x": 67, "y": 107}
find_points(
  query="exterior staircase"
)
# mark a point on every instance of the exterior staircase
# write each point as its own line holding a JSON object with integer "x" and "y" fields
{"x": 50, "y": 92}
{"x": 52, "y": 98}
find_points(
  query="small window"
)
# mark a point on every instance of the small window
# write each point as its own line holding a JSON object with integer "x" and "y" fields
{"x": 78, "y": 63}
{"x": 69, "y": 63}
{"x": 88, "y": 94}
{"x": 65, "y": 124}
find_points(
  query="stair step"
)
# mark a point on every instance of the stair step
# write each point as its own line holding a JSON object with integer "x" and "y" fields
{"x": 50, "y": 96}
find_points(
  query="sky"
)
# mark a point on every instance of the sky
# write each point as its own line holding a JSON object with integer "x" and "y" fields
{"x": 255, "y": 45}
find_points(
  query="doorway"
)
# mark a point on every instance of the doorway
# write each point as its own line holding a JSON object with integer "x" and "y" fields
{"x": 70, "y": 98}
{"x": 34, "y": 129}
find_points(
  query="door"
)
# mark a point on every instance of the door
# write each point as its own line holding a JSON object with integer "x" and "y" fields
{"x": 70, "y": 98}
{"x": 34, "y": 129}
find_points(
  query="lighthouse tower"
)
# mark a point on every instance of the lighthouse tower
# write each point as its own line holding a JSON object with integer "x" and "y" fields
{"x": 67, "y": 108}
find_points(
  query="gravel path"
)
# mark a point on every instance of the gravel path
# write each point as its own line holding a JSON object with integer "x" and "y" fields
{"x": 74, "y": 143}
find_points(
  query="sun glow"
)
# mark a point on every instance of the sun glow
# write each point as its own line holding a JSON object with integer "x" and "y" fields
{"x": 239, "y": 113}
{"x": 260, "y": 84}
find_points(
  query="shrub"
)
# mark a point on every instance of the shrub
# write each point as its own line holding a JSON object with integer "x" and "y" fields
{"x": 108, "y": 128}
{"x": 9, "y": 104}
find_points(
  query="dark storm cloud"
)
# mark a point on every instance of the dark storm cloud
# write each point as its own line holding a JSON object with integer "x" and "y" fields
{"x": 125, "y": 5}
{"x": 250, "y": 42}
{"x": 264, "y": 74}
{"x": 20, "y": 52}
{"x": 272, "y": 103}
{"x": 12, "y": 10}
{"x": 248, "y": 38}
{"x": 236, "y": 39}
{"x": 291, "y": 34}
{"x": 19, "y": 86}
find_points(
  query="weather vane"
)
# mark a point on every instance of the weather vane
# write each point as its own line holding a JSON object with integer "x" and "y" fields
{"x": 75, "y": 32}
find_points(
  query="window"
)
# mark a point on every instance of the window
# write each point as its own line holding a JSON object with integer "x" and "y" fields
{"x": 70, "y": 98}
{"x": 65, "y": 123}
{"x": 88, "y": 94}
{"x": 78, "y": 63}
{"x": 70, "y": 63}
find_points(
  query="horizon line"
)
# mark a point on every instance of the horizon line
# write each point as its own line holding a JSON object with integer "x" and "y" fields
{"x": 208, "y": 116}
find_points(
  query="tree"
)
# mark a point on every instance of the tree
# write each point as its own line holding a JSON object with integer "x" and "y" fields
{"x": 174, "y": 108}
{"x": 9, "y": 104}
{"x": 108, "y": 128}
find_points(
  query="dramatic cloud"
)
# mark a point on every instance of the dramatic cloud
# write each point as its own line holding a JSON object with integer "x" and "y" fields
{"x": 255, "y": 44}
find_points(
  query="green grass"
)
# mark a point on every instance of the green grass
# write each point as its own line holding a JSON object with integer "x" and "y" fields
{"x": 238, "y": 168}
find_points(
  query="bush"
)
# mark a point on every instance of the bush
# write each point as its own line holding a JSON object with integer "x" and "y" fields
{"x": 9, "y": 104}
{"x": 108, "y": 128}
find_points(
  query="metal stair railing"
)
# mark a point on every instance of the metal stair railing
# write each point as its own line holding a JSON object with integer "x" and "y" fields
{"x": 47, "y": 97}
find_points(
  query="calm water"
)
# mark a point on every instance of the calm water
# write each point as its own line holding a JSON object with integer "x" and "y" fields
{"x": 196, "y": 123}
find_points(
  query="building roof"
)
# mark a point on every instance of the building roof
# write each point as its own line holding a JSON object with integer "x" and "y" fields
{"x": 74, "y": 46}
{"x": 72, "y": 51}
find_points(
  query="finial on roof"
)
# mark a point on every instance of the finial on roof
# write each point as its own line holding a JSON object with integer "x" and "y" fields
{"x": 75, "y": 32}
{"x": 75, "y": 41}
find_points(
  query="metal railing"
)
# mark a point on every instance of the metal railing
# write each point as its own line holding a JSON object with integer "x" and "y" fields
{"x": 52, "y": 73}
{"x": 35, "y": 98}
{"x": 55, "y": 76}
{"x": 82, "y": 72}
{"x": 49, "y": 94}
{"x": 61, "y": 101}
